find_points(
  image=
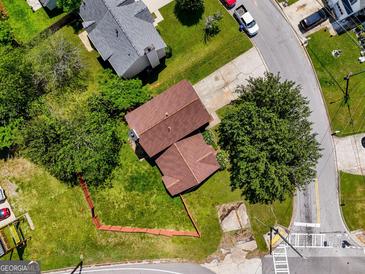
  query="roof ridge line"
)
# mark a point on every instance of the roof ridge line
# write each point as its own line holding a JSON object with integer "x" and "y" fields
{"x": 174, "y": 113}
{"x": 120, "y": 25}
{"x": 205, "y": 156}
{"x": 192, "y": 172}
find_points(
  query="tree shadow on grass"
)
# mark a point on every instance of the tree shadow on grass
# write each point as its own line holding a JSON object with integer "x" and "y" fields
{"x": 188, "y": 18}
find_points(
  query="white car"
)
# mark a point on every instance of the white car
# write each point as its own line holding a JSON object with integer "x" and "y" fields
{"x": 246, "y": 20}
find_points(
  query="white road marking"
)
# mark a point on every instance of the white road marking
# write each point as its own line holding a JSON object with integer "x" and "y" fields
{"x": 307, "y": 224}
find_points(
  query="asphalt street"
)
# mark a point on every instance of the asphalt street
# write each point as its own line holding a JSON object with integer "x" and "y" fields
{"x": 162, "y": 268}
{"x": 284, "y": 54}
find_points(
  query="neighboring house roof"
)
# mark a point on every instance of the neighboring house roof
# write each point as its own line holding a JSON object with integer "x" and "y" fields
{"x": 50, "y": 4}
{"x": 168, "y": 117}
{"x": 121, "y": 30}
{"x": 186, "y": 164}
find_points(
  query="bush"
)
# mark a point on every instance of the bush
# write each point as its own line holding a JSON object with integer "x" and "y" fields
{"x": 211, "y": 27}
{"x": 190, "y": 5}
{"x": 223, "y": 160}
{"x": 6, "y": 33}
{"x": 209, "y": 138}
{"x": 168, "y": 51}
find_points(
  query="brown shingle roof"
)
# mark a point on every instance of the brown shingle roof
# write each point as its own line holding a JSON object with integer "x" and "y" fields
{"x": 168, "y": 117}
{"x": 187, "y": 163}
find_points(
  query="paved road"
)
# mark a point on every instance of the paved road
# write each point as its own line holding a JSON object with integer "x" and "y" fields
{"x": 163, "y": 268}
{"x": 283, "y": 53}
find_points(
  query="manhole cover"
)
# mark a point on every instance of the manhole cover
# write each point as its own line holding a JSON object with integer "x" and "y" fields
{"x": 363, "y": 142}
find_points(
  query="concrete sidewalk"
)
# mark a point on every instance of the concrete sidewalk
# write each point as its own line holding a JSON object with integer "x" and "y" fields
{"x": 217, "y": 89}
{"x": 350, "y": 154}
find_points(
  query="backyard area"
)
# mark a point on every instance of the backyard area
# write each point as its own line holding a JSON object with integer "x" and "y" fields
{"x": 353, "y": 200}
{"x": 193, "y": 58}
{"x": 346, "y": 118}
{"x": 26, "y": 23}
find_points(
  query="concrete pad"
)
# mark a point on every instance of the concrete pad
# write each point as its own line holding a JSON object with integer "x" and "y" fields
{"x": 85, "y": 40}
{"x": 233, "y": 217}
{"x": 34, "y": 4}
{"x": 350, "y": 154}
{"x": 300, "y": 10}
{"x": 252, "y": 266}
{"x": 155, "y": 5}
{"x": 238, "y": 256}
{"x": 218, "y": 88}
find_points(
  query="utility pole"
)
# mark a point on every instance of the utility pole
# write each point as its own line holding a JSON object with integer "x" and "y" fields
{"x": 276, "y": 231}
{"x": 347, "y": 78}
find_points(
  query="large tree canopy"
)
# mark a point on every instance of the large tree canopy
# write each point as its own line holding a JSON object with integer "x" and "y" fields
{"x": 16, "y": 92}
{"x": 87, "y": 144}
{"x": 269, "y": 140}
{"x": 190, "y": 5}
{"x": 68, "y": 5}
{"x": 117, "y": 96}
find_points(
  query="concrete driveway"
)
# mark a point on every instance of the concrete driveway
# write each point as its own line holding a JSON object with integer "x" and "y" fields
{"x": 300, "y": 10}
{"x": 350, "y": 154}
{"x": 217, "y": 89}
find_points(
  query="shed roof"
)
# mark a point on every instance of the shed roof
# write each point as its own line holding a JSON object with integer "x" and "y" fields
{"x": 186, "y": 164}
{"x": 168, "y": 117}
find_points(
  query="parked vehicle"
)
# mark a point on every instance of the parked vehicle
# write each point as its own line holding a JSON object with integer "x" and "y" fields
{"x": 4, "y": 213}
{"x": 246, "y": 21}
{"x": 2, "y": 195}
{"x": 313, "y": 20}
{"x": 345, "y": 244}
{"x": 229, "y": 3}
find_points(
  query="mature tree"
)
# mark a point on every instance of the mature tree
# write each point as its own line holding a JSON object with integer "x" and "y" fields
{"x": 269, "y": 140}
{"x": 87, "y": 145}
{"x": 16, "y": 92}
{"x": 68, "y": 5}
{"x": 117, "y": 96}
{"x": 190, "y": 5}
{"x": 6, "y": 33}
{"x": 57, "y": 65}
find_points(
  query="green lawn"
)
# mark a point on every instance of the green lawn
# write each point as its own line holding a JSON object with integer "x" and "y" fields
{"x": 353, "y": 200}
{"x": 349, "y": 119}
{"x": 289, "y": 1}
{"x": 138, "y": 197}
{"x": 26, "y": 23}
{"x": 192, "y": 58}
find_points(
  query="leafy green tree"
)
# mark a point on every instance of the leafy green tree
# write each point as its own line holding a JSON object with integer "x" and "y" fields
{"x": 6, "y": 33}
{"x": 16, "y": 92}
{"x": 68, "y": 5}
{"x": 88, "y": 145}
{"x": 58, "y": 65}
{"x": 268, "y": 137}
{"x": 190, "y": 5}
{"x": 117, "y": 96}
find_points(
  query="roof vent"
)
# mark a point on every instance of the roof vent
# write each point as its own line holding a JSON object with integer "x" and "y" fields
{"x": 133, "y": 135}
{"x": 169, "y": 129}
{"x": 166, "y": 114}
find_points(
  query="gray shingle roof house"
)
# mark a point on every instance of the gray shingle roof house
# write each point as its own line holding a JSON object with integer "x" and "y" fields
{"x": 50, "y": 4}
{"x": 123, "y": 33}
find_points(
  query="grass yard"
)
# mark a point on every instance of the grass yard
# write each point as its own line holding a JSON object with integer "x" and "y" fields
{"x": 353, "y": 200}
{"x": 331, "y": 72}
{"x": 65, "y": 104}
{"x": 26, "y": 23}
{"x": 192, "y": 58}
{"x": 288, "y": 1}
{"x": 138, "y": 197}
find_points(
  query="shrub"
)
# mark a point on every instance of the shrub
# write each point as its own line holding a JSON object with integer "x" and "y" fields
{"x": 223, "y": 160}
{"x": 168, "y": 51}
{"x": 209, "y": 138}
{"x": 211, "y": 27}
